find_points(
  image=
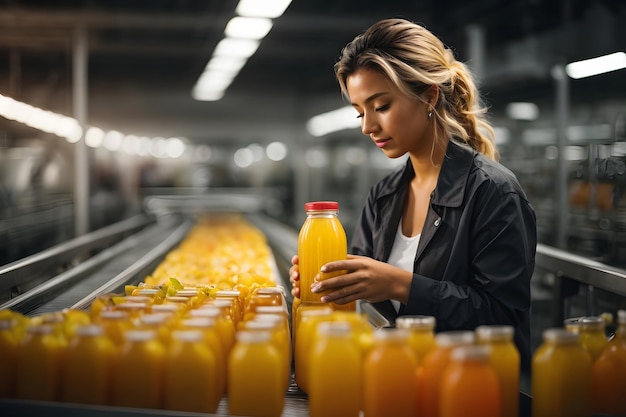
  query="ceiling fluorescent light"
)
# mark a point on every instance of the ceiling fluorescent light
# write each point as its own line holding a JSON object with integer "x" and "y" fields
{"x": 248, "y": 27}
{"x": 333, "y": 121}
{"x": 522, "y": 111}
{"x": 230, "y": 64}
{"x": 595, "y": 66}
{"x": 242, "y": 48}
{"x": 262, "y": 8}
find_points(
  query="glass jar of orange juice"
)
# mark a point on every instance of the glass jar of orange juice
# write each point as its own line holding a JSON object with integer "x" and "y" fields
{"x": 469, "y": 385}
{"x": 39, "y": 358}
{"x": 8, "y": 352}
{"x": 89, "y": 346}
{"x": 389, "y": 380}
{"x": 335, "y": 361}
{"x": 592, "y": 335}
{"x": 322, "y": 239}
{"x": 505, "y": 359}
{"x": 608, "y": 373}
{"x": 421, "y": 334}
{"x": 434, "y": 364}
{"x": 561, "y": 375}
{"x": 138, "y": 373}
{"x": 191, "y": 374}
{"x": 255, "y": 378}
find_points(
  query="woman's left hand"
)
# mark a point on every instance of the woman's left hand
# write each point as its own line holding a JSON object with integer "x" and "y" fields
{"x": 365, "y": 279}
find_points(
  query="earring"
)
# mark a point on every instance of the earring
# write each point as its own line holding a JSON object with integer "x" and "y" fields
{"x": 430, "y": 114}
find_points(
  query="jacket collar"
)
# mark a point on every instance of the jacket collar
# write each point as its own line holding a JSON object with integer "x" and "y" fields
{"x": 450, "y": 189}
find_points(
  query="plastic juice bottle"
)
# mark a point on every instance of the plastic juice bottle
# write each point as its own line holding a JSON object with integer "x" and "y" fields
{"x": 237, "y": 308}
{"x": 505, "y": 360}
{"x": 255, "y": 379}
{"x": 592, "y": 335}
{"x": 362, "y": 331}
{"x": 114, "y": 323}
{"x": 322, "y": 239}
{"x": 335, "y": 372}
{"x": 296, "y": 318}
{"x": 421, "y": 334}
{"x": 191, "y": 378}
{"x": 134, "y": 310}
{"x": 86, "y": 370}
{"x": 469, "y": 385}
{"x": 276, "y": 314}
{"x": 279, "y": 339}
{"x": 608, "y": 373}
{"x": 212, "y": 339}
{"x": 304, "y": 341}
{"x": 389, "y": 379}
{"x": 274, "y": 311}
{"x": 8, "y": 352}
{"x": 433, "y": 366}
{"x": 261, "y": 300}
{"x": 38, "y": 367}
{"x": 160, "y": 323}
{"x": 139, "y": 371}
{"x": 561, "y": 375}
{"x": 223, "y": 323}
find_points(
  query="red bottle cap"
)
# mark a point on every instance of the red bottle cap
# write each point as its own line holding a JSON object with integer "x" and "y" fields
{"x": 321, "y": 205}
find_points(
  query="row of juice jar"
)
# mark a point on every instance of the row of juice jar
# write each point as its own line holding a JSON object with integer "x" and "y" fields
{"x": 411, "y": 371}
{"x": 182, "y": 354}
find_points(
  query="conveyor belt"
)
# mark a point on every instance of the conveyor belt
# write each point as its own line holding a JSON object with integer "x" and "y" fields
{"x": 136, "y": 253}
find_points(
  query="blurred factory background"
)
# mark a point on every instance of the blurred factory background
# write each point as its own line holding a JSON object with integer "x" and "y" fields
{"x": 133, "y": 115}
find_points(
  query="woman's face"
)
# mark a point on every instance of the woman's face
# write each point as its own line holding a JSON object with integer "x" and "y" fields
{"x": 396, "y": 123}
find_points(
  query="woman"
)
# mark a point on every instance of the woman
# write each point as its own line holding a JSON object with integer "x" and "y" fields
{"x": 451, "y": 234}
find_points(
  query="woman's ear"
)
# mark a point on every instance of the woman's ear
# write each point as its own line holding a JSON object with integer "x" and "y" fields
{"x": 432, "y": 95}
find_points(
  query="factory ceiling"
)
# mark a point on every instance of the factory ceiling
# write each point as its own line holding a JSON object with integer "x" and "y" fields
{"x": 145, "y": 56}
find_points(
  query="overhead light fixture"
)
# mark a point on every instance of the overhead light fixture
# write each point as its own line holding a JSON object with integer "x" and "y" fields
{"x": 241, "y": 48}
{"x": 596, "y": 66}
{"x": 522, "y": 111}
{"x": 262, "y": 8}
{"x": 248, "y": 27}
{"x": 333, "y": 121}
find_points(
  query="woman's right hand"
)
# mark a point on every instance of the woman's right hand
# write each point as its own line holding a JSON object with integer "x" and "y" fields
{"x": 294, "y": 277}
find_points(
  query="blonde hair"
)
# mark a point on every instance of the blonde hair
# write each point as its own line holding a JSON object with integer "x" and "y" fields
{"x": 414, "y": 59}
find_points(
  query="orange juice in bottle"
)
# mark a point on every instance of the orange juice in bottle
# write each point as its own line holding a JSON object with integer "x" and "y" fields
{"x": 432, "y": 368}
{"x": 469, "y": 385}
{"x": 608, "y": 373}
{"x": 322, "y": 239}
{"x": 421, "y": 334}
{"x": 211, "y": 334}
{"x": 8, "y": 352}
{"x": 191, "y": 378}
{"x": 39, "y": 358}
{"x": 362, "y": 331}
{"x": 86, "y": 370}
{"x": 279, "y": 339}
{"x": 138, "y": 374}
{"x": 561, "y": 375}
{"x": 505, "y": 360}
{"x": 335, "y": 372}
{"x": 114, "y": 323}
{"x": 255, "y": 378}
{"x": 389, "y": 375}
{"x": 592, "y": 335}
{"x": 304, "y": 341}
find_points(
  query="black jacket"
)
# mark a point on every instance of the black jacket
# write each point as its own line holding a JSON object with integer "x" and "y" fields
{"x": 476, "y": 253}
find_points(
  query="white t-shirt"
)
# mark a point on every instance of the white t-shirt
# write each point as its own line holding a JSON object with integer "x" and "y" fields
{"x": 403, "y": 254}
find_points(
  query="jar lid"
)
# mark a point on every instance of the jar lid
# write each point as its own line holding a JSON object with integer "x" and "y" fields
{"x": 321, "y": 205}
{"x": 416, "y": 322}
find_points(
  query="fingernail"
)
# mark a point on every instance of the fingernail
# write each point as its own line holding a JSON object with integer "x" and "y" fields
{"x": 324, "y": 299}
{"x": 315, "y": 287}
{"x": 323, "y": 268}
